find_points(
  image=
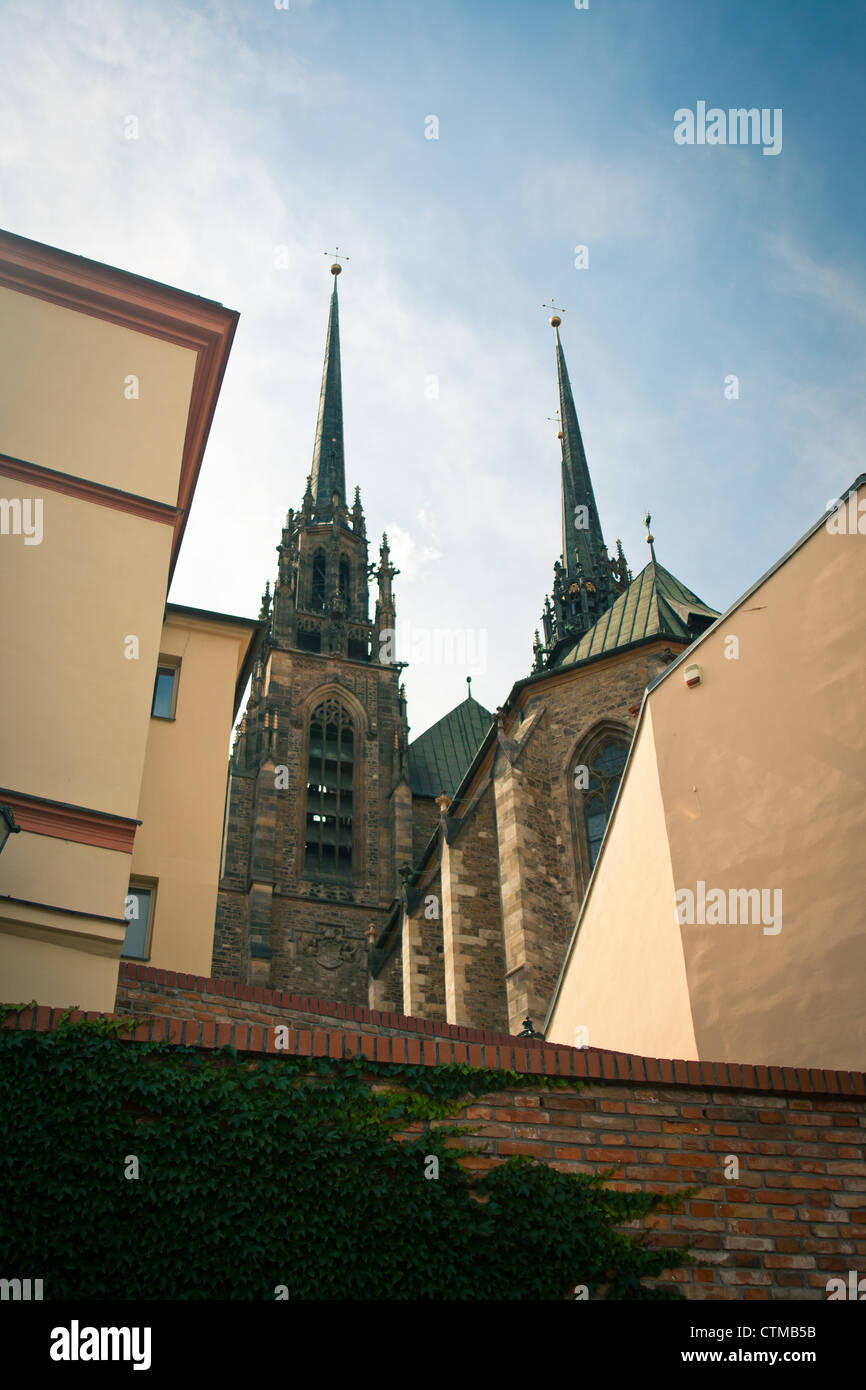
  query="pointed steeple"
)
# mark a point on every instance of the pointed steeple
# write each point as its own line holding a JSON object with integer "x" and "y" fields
{"x": 585, "y": 579}
{"x": 584, "y": 552}
{"x": 329, "y": 470}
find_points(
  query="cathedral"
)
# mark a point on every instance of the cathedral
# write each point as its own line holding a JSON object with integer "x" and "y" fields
{"x": 440, "y": 877}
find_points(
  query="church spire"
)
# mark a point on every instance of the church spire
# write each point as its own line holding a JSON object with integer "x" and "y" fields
{"x": 585, "y": 579}
{"x": 584, "y": 552}
{"x": 329, "y": 469}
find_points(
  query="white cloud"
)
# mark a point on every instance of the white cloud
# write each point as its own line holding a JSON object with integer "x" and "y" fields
{"x": 411, "y": 558}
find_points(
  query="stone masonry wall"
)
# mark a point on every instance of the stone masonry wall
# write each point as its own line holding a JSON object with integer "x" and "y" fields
{"x": 422, "y": 953}
{"x": 474, "y": 955}
{"x": 279, "y": 925}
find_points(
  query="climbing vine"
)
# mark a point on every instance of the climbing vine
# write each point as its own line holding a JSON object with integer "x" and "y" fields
{"x": 152, "y": 1171}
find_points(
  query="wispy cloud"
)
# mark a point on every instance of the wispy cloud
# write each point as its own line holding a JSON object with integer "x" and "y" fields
{"x": 837, "y": 289}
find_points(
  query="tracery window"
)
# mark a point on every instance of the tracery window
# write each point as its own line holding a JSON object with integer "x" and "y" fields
{"x": 330, "y": 779}
{"x": 595, "y": 774}
{"x": 605, "y": 774}
{"x": 345, "y": 574}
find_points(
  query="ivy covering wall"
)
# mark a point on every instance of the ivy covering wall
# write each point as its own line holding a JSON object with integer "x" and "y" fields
{"x": 151, "y": 1171}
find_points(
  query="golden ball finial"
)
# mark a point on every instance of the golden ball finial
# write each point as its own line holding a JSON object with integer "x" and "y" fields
{"x": 559, "y": 434}
{"x": 336, "y": 268}
{"x": 555, "y": 320}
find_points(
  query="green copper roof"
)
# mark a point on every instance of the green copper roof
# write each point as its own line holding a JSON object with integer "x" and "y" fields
{"x": 329, "y": 470}
{"x": 438, "y": 759}
{"x": 655, "y": 604}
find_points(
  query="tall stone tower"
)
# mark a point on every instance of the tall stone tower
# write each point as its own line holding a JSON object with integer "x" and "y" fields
{"x": 319, "y": 806}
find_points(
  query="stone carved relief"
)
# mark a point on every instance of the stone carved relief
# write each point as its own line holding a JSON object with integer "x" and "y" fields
{"x": 330, "y": 948}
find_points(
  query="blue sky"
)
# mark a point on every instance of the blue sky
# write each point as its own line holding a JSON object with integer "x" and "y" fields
{"x": 300, "y": 128}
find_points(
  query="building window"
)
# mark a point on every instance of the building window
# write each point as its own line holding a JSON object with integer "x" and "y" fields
{"x": 605, "y": 775}
{"x": 140, "y": 899}
{"x": 319, "y": 567}
{"x": 594, "y": 776}
{"x": 165, "y": 688}
{"x": 330, "y": 778}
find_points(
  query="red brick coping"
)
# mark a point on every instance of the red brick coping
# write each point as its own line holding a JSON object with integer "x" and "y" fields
{"x": 465, "y": 1045}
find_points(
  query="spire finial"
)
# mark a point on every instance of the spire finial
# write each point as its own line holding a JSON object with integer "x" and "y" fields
{"x": 555, "y": 313}
{"x": 557, "y": 420}
{"x": 336, "y": 268}
{"x": 647, "y": 521}
{"x": 469, "y": 687}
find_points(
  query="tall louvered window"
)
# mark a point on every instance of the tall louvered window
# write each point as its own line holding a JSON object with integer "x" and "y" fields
{"x": 319, "y": 564}
{"x": 330, "y": 777}
{"x": 345, "y": 576}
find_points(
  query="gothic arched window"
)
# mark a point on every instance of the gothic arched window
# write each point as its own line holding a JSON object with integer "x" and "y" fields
{"x": 319, "y": 566}
{"x": 345, "y": 576}
{"x": 596, "y": 772}
{"x": 605, "y": 775}
{"x": 330, "y": 777}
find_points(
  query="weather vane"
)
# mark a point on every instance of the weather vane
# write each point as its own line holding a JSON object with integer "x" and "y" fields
{"x": 555, "y": 313}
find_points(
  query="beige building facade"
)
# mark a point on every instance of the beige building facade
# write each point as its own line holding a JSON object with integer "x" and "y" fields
{"x": 725, "y": 915}
{"x": 108, "y": 384}
{"x": 205, "y": 662}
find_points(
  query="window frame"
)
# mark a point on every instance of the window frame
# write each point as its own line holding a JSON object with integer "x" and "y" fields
{"x": 166, "y": 662}
{"x": 140, "y": 884}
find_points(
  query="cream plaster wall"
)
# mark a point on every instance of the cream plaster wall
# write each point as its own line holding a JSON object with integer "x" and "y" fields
{"x": 63, "y": 874}
{"x": 76, "y": 715}
{"x": 59, "y": 973}
{"x": 63, "y": 402}
{"x": 763, "y": 771}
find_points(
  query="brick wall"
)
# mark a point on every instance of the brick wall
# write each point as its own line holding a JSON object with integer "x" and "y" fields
{"x": 792, "y": 1218}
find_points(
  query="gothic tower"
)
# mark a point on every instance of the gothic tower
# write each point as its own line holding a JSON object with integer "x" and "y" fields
{"x": 585, "y": 579}
{"x": 319, "y": 806}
